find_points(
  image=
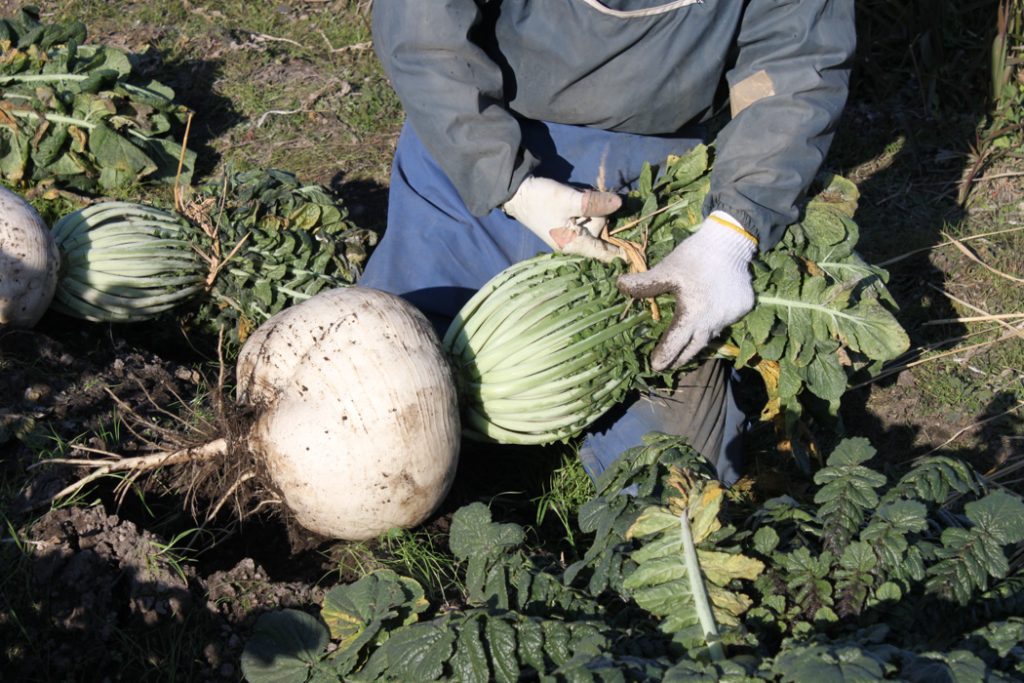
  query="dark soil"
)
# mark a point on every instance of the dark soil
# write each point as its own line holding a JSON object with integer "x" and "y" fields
{"x": 96, "y": 577}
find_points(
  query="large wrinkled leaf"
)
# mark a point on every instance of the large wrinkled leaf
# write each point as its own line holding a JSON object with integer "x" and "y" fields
{"x": 837, "y": 193}
{"x": 382, "y": 598}
{"x": 823, "y": 664}
{"x": 91, "y": 94}
{"x": 969, "y": 557}
{"x": 868, "y": 328}
{"x": 478, "y": 541}
{"x": 284, "y": 647}
{"x": 958, "y": 666}
{"x": 415, "y": 653}
{"x": 121, "y": 162}
{"x": 824, "y": 375}
{"x": 1000, "y": 514}
{"x": 501, "y": 637}
{"x": 933, "y": 479}
{"x": 473, "y": 534}
{"x": 848, "y": 490}
{"x": 687, "y": 169}
{"x": 96, "y": 58}
{"x": 1003, "y": 637}
{"x": 662, "y": 581}
{"x": 889, "y": 527}
{"x": 14, "y": 152}
{"x": 470, "y": 660}
{"x": 165, "y": 154}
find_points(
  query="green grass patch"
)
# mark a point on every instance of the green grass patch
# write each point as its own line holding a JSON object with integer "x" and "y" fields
{"x": 290, "y": 85}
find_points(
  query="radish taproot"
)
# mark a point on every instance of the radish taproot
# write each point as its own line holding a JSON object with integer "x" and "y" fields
{"x": 359, "y": 426}
{"x": 28, "y": 262}
{"x": 355, "y": 416}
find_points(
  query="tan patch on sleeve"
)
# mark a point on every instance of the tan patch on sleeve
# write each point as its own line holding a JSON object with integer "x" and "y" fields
{"x": 751, "y": 89}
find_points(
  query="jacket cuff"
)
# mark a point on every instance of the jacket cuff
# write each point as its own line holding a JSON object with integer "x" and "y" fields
{"x": 756, "y": 220}
{"x": 725, "y": 219}
{"x": 500, "y": 195}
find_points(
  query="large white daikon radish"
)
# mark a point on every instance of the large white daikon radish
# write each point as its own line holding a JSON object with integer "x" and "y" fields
{"x": 358, "y": 421}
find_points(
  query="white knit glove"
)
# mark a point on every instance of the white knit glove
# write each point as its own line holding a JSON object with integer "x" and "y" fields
{"x": 567, "y": 219}
{"x": 709, "y": 275}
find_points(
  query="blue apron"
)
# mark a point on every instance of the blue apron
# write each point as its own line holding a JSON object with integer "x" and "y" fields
{"x": 436, "y": 255}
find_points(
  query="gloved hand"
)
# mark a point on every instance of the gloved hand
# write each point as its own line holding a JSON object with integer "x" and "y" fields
{"x": 567, "y": 219}
{"x": 709, "y": 275}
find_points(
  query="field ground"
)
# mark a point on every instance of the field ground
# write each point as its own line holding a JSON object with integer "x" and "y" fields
{"x": 93, "y": 590}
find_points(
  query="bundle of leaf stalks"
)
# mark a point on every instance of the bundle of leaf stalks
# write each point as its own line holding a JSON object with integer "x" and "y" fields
{"x": 79, "y": 116}
{"x": 823, "y": 316}
{"x": 246, "y": 246}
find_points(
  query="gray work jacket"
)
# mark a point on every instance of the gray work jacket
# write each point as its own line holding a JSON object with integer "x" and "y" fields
{"x": 467, "y": 70}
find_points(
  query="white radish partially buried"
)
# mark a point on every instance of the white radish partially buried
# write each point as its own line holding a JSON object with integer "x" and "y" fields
{"x": 29, "y": 262}
{"x": 358, "y": 420}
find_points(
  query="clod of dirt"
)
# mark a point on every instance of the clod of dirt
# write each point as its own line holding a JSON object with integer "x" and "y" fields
{"x": 87, "y": 556}
{"x": 240, "y": 594}
{"x": 93, "y": 575}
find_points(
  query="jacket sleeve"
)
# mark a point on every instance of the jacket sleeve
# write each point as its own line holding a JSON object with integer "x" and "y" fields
{"x": 787, "y": 90}
{"x": 453, "y": 95}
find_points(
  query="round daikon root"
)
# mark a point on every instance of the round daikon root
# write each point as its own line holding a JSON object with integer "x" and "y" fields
{"x": 358, "y": 420}
{"x": 29, "y": 262}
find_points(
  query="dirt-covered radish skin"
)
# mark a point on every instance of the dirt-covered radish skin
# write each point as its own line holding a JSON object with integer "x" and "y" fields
{"x": 358, "y": 422}
{"x": 29, "y": 262}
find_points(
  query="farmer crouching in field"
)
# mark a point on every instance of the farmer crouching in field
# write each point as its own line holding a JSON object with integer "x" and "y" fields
{"x": 515, "y": 109}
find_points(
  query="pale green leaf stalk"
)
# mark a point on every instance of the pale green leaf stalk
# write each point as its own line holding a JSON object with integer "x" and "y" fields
{"x": 690, "y": 590}
{"x": 700, "y": 596}
{"x": 124, "y": 262}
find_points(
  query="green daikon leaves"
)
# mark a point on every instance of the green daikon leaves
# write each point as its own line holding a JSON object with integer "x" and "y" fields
{"x": 287, "y": 241}
{"x": 822, "y": 313}
{"x": 78, "y": 115}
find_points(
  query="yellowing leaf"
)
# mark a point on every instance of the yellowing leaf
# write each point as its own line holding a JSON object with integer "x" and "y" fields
{"x": 375, "y": 600}
{"x": 721, "y": 568}
{"x": 704, "y": 519}
{"x": 344, "y": 626}
{"x": 771, "y": 409}
{"x": 726, "y": 602}
{"x": 652, "y": 521}
{"x": 81, "y": 139}
{"x": 676, "y": 582}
